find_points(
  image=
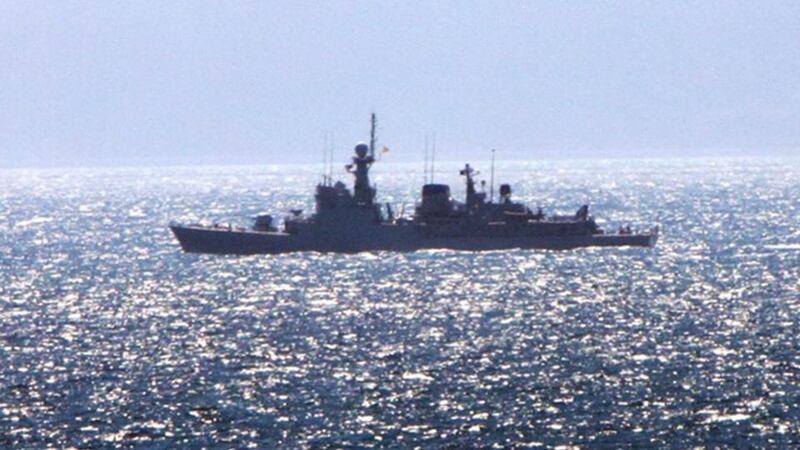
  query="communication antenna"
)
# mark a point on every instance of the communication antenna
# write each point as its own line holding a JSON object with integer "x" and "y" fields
{"x": 433, "y": 156}
{"x": 491, "y": 182}
{"x": 425, "y": 162}
{"x": 330, "y": 159}
{"x": 324, "y": 157}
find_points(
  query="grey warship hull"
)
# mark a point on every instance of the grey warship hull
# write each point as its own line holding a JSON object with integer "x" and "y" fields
{"x": 384, "y": 237}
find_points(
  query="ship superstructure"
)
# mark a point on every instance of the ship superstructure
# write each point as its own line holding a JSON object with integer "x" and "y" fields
{"x": 352, "y": 221}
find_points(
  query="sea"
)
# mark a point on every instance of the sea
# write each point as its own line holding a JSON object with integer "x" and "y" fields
{"x": 112, "y": 337}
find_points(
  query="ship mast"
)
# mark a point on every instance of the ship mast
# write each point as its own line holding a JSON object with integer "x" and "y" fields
{"x": 433, "y": 156}
{"x": 491, "y": 183}
{"x": 365, "y": 155}
{"x": 425, "y": 161}
{"x": 372, "y": 138}
{"x": 325, "y": 159}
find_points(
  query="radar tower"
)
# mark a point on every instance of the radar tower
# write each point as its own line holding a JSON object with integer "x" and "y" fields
{"x": 362, "y": 161}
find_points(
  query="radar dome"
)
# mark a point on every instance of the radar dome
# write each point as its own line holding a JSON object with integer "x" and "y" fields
{"x": 362, "y": 149}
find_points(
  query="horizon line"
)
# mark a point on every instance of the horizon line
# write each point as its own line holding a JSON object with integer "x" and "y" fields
{"x": 783, "y": 155}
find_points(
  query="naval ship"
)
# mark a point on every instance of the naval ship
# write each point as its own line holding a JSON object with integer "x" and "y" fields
{"x": 352, "y": 221}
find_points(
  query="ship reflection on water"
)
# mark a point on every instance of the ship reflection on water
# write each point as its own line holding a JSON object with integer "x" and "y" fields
{"x": 110, "y": 336}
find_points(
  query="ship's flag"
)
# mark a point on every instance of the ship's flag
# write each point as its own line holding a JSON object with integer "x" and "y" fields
{"x": 385, "y": 149}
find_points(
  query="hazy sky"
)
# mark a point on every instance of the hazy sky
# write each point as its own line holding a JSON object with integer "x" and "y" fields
{"x": 172, "y": 82}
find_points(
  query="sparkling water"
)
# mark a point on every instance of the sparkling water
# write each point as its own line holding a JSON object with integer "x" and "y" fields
{"x": 110, "y": 336}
